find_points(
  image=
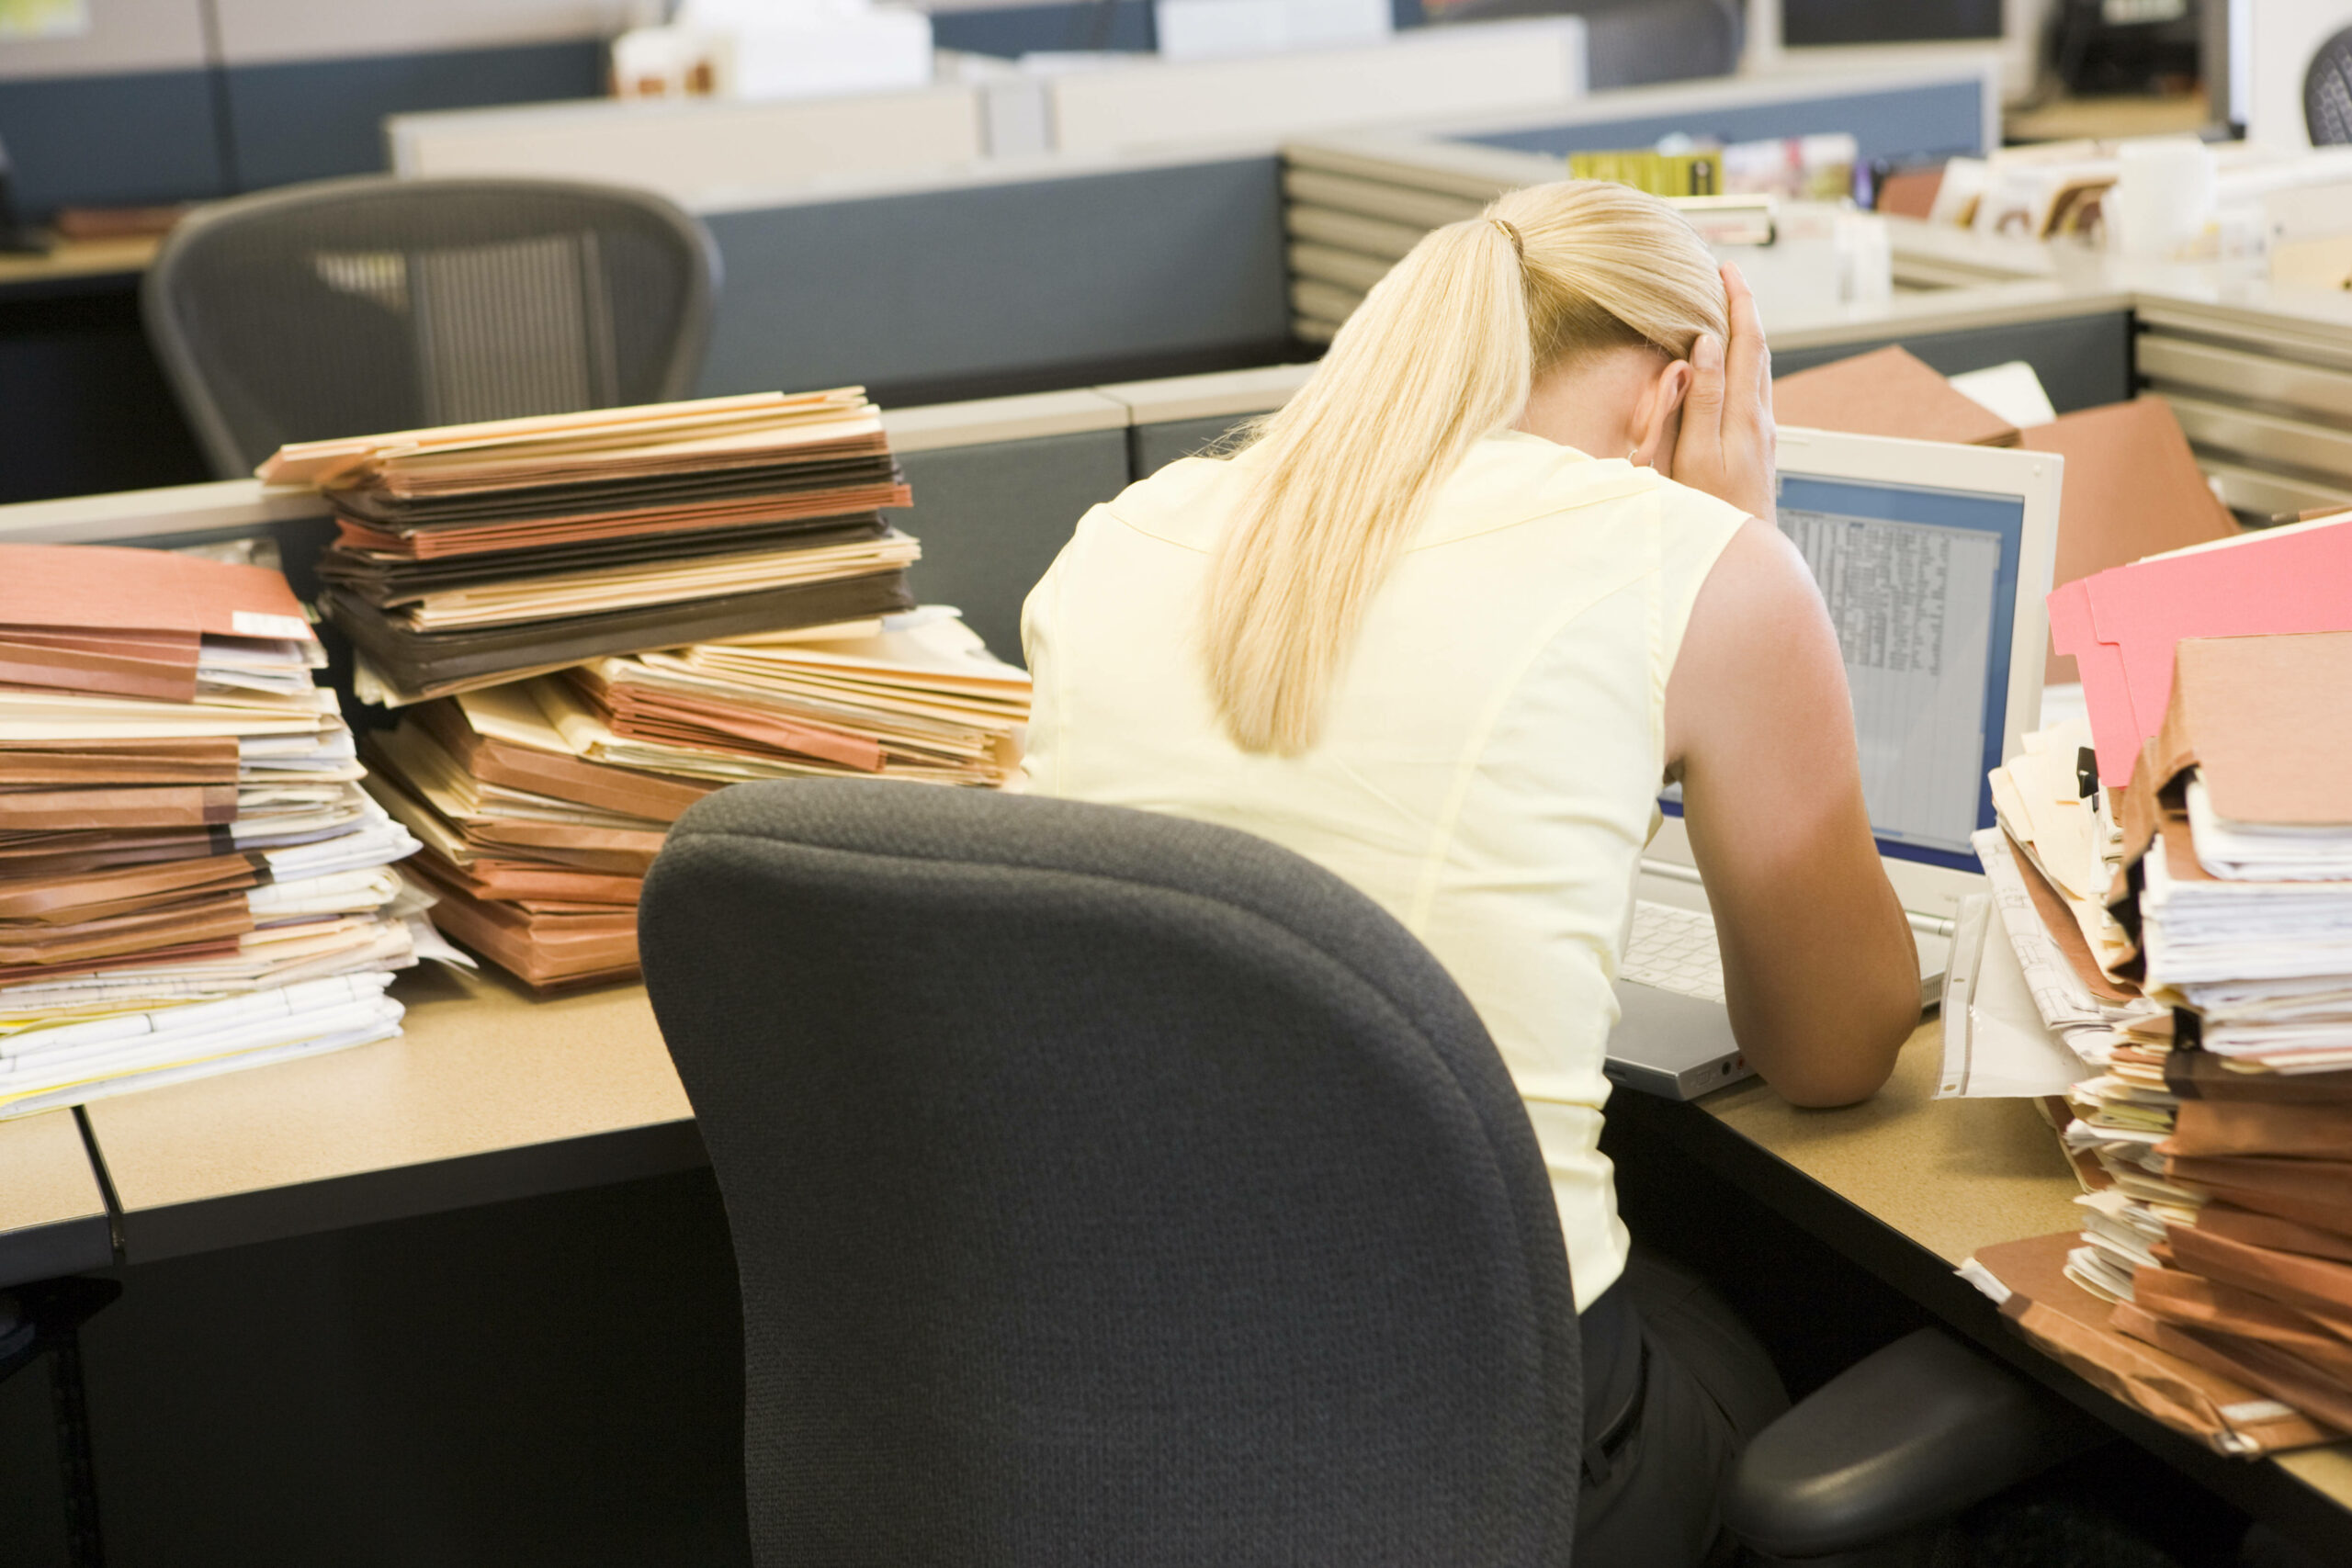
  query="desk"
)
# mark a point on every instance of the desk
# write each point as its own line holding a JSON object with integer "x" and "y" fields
{"x": 488, "y": 1095}
{"x": 1907, "y": 1186}
{"x": 52, "y": 1212}
{"x": 78, "y": 262}
{"x": 491, "y": 1095}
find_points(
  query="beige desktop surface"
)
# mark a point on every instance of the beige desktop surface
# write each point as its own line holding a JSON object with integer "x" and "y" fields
{"x": 45, "y": 1175}
{"x": 482, "y": 1067}
{"x": 80, "y": 258}
{"x": 1951, "y": 1175}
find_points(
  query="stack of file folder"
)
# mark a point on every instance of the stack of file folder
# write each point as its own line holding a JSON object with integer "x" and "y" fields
{"x": 191, "y": 879}
{"x": 473, "y": 554}
{"x": 2210, "y": 989}
{"x": 541, "y": 803}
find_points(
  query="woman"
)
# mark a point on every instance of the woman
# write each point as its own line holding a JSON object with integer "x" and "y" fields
{"x": 1429, "y": 629}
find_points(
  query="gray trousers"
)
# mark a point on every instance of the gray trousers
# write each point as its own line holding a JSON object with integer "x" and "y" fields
{"x": 1675, "y": 1386}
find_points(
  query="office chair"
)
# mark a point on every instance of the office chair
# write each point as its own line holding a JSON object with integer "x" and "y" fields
{"x": 1112, "y": 1187}
{"x": 354, "y": 306}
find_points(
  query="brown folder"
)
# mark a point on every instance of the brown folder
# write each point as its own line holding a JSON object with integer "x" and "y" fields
{"x": 2074, "y": 1327}
{"x": 2284, "y": 1377}
{"x": 2195, "y": 1302}
{"x": 1888, "y": 391}
{"x": 550, "y": 773}
{"x": 92, "y": 895}
{"x": 173, "y": 600}
{"x": 2253, "y": 716}
{"x": 2311, "y": 1181}
{"x": 165, "y": 805}
{"x": 2197, "y": 1074}
{"x": 2133, "y": 488}
{"x": 2317, "y": 1284}
{"x": 546, "y": 952}
{"x": 2322, "y": 1131}
{"x": 196, "y": 920}
{"x": 2279, "y": 1235}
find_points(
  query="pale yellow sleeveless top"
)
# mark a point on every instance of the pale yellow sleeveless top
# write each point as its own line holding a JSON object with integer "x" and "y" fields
{"x": 1489, "y": 763}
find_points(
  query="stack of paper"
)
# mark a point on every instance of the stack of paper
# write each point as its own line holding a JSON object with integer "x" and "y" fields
{"x": 190, "y": 878}
{"x": 2219, "y": 1227}
{"x": 541, "y": 804}
{"x": 472, "y": 553}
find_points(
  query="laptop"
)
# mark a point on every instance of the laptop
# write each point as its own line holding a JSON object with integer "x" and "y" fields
{"x": 1935, "y": 560}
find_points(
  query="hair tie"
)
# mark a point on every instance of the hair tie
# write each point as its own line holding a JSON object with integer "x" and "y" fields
{"x": 1517, "y": 244}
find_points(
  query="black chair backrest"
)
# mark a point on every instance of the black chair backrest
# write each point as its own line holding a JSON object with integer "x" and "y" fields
{"x": 355, "y": 307}
{"x": 1106, "y": 1189}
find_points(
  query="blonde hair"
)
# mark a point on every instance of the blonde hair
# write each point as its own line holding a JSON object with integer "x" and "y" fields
{"x": 1442, "y": 352}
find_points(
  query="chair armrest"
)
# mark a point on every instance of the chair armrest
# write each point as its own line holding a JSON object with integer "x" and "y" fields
{"x": 1911, "y": 1434}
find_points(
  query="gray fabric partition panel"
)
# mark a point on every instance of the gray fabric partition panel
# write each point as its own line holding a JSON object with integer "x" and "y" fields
{"x": 316, "y": 119}
{"x": 1630, "y": 42}
{"x": 1152, "y": 447}
{"x": 1125, "y": 24}
{"x": 2084, "y": 361}
{"x": 120, "y": 140}
{"x": 1001, "y": 278}
{"x": 1908, "y": 125}
{"x": 992, "y": 518}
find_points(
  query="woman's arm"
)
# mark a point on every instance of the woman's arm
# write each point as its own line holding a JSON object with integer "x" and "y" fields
{"x": 1819, "y": 968}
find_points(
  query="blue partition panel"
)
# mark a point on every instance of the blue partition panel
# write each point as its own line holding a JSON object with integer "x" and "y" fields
{"x": 315, "y": 118}
{"x": 1000, "y": 279}
{"x": 117, "y": 141}
{"x": 1906, "y": 125}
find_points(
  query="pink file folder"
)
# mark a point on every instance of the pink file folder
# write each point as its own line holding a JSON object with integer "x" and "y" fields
{"x": 2121, "y": 624}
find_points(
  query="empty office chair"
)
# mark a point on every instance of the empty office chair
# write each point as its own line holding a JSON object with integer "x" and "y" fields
{"x": 349, "y": 306}
{"x": 1110, "y": 1188}
{"x": 1106, "y": 1188}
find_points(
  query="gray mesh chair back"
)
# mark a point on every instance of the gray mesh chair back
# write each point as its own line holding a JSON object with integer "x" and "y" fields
{"x": 1106, "y": 1189}
{"x": 355, "y": 306}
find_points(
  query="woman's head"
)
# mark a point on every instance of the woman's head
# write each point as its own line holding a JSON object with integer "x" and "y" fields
{"x": 1445, "y": 349}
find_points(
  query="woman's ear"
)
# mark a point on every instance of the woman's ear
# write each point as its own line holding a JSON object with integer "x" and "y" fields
{"x": 1653, "y": 416}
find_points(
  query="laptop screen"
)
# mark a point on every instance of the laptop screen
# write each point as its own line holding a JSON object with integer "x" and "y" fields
{"x": 1921, "y": 584}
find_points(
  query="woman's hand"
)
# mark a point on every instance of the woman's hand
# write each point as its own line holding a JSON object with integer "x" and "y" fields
{"x": 1726, "y": 443}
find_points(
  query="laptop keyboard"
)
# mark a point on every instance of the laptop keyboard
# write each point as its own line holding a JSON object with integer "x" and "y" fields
{"x": 1673, "y": 950}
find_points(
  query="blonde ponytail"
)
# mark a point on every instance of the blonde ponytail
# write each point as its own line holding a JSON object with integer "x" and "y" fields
{"x": 1441, "y": 353}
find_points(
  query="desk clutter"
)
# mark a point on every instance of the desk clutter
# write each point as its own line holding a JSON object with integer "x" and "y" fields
{"x": 472, "y": 553}
{"x": 541, "y": 804}
{"x": 584, "y": 623}
{"x": 2172, "y": 896}
{"x": 191, "y": 879}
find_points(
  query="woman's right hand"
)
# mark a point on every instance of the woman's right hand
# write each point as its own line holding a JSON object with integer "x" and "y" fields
{"x": 1727, "y": 444}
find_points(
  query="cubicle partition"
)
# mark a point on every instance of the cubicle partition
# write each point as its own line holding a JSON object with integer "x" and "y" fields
{"x": 1051, "y": 274}
{"x": 946, "y": 278}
